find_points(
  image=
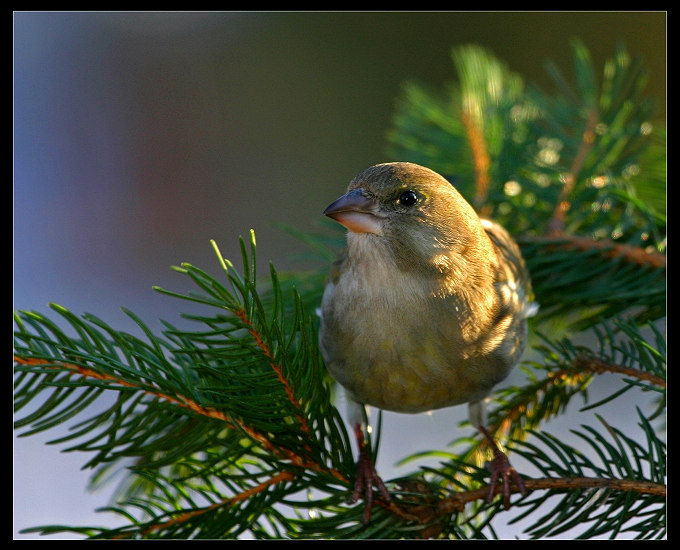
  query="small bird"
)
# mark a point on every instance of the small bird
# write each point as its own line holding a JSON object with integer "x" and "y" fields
{"x": 426, "y": 307}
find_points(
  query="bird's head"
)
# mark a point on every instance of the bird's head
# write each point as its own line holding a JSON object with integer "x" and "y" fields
{"x": 416, "y": 212}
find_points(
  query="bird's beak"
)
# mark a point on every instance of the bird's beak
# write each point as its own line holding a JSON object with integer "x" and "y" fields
{"x": 357, "y": 212}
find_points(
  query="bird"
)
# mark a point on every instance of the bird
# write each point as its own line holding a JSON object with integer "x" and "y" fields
{"x": 426, "y": 307}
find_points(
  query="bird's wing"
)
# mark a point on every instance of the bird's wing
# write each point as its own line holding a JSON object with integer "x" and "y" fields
{"x": 513, "y": 276}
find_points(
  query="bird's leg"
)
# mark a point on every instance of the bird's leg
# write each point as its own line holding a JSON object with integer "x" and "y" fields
{"x": 501, "y": 468}
{"x": 367, "y": 477}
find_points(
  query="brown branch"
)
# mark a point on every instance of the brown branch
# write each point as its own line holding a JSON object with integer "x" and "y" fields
{"x": 481, "y": 159}
{"x": 89, "y": 373}
{"x": 556, "y": 224}
{"x": 429, "y": 511}
{"x": 581, "y": 366}
{"x": 275, "y": 367}
{"x": 423, "y": 513}
{"x": 569, "y": 376}
{"x": 459, "y": 500}
{"x": 195, "y": 407}
{"x": 632, "y": 254}
{"x": 432, "y": 513}
{"x": 596, "y": 365}
{"x": 608, "y": 248}
{"x": 185, "y": 516}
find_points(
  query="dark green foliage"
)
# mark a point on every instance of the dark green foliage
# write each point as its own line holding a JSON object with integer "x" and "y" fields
{"x": 589, "y": 146}
{"x": 230, "y": 429}
{"x": 599, "y": 511}
{"x": 205, "y": 414}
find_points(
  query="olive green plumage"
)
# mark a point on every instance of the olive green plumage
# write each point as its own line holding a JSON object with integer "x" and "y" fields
{"x": 427, "y": 305}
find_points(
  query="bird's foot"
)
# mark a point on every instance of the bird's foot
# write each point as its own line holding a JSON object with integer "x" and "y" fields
{"x": 366, "y": 478}
{"x": 501, "y": 468}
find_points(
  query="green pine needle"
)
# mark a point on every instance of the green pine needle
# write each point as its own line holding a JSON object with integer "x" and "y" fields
{"x": 229, "y": 429}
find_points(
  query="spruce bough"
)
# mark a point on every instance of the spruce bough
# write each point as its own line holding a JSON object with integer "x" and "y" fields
{"x": 230, "y": 429}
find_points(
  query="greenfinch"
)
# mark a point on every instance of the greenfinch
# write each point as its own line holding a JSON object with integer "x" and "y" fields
{"x": 426, "y": 307}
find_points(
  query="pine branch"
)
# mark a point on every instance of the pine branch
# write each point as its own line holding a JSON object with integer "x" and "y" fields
{"x": 194, "y": 407}
{"x": 565, "y": 372}
{"x": 230, "y": 428}
{"x": 292, "y": 460}
{"x": 556, "y": 223}
{"x": 642, "y": 481}
{"x": 568, "y": 370}
{"x": 156, "y": 429}
{"x": 608, "y": 249}
{"x": 624, "y": 458}
{"x": 560, "y": 171}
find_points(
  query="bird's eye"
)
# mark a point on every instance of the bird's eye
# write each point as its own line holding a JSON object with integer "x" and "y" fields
{"x": 407, "y": 198}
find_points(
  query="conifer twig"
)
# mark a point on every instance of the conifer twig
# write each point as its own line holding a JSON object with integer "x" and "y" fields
{"x": 233, "y": 425}
{"x": 610, "y": 249}
{"x": 594, "y": 364}
{"x": 459, "y": 499}
{"x": 185, "y": 402}
{"x": 481, "y": 161}
{"x": 241, "y": 314}
{"x": 581, "y": 368}
{"x": 185, "y": 516}
{"x": 556, "y": 224}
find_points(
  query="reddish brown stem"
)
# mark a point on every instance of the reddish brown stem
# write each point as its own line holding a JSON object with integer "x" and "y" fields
{"x": 556, "y": 224}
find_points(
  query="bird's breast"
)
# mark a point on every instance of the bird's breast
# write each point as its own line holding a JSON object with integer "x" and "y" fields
{"x": 397, "y": 344}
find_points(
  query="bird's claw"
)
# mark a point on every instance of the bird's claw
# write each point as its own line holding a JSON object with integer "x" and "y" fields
{"x": 366, "y": 479}
{"x": 501, "y": 468}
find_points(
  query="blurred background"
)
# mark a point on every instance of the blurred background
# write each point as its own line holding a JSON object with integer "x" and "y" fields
{"x": 140, "y": 136}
